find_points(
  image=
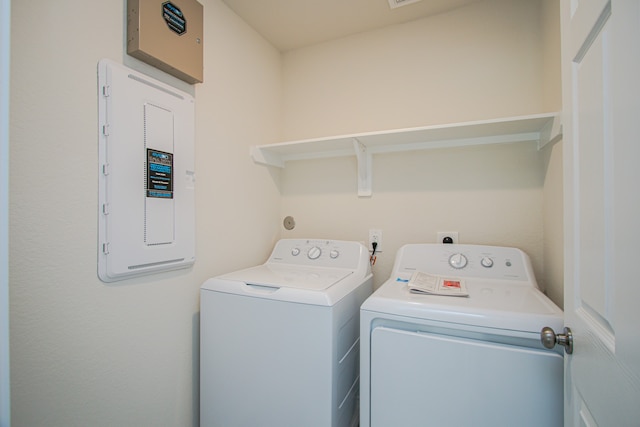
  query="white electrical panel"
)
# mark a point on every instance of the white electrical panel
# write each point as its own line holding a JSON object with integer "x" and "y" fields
{"x": 146, "y": 175}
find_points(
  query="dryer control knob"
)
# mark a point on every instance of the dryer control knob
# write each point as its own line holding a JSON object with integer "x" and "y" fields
{"x": 458, "y": 261}
{"x": 314, "y": 252}
{"x": 295, "y": 251}
{"x": 486, "y": 262}
{"x": 334, "y": 254}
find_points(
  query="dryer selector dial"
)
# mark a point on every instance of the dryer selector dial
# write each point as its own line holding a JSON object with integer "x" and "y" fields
{"x": 458, "y": 261}
{"x": 334, "y": 254}
{"x": 486, "y": 262}
{"x": 314, "y": 252}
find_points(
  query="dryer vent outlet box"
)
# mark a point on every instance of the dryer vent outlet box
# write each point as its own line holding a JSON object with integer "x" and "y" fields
{"x": 167, "y": 35}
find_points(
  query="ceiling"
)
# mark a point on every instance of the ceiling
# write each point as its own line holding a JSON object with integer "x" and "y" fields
{"x": 290, "y": 24}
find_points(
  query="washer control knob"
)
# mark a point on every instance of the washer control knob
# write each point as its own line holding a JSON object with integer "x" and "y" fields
{"x": 486, "y": 262}
{"x": 334, "y": 254}
{"x": 458, "y": 261}
{"x": 314, "y": 252}
{"x": 295, "y": 251}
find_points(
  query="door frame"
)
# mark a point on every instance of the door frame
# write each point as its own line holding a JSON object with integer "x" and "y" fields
{"x": 5, "y": 383}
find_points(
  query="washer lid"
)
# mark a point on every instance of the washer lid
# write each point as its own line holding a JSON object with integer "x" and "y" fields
{"x": 290, "y": 276}
{"x": 305, "y": 285}
{"x": 492, "y": 304}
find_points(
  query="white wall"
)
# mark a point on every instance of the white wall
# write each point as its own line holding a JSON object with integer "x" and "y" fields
{"x": 478, "y": 62}
{"x": 5, "y": 373}
{"x": 553, "y": 224}
{"x": 86, "y": 353}
{"x": 553, "y": 241}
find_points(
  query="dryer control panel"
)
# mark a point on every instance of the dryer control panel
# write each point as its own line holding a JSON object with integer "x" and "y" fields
{"x": 469, "y": 261}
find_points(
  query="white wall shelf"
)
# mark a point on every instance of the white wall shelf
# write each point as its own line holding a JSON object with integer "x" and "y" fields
{"x": 541, "y": 128}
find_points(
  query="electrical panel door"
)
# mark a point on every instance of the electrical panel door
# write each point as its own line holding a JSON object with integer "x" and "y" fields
{"x": 146, "y": 175}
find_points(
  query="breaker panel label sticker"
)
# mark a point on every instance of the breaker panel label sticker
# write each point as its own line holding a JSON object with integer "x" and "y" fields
{"x": 174, "y": 18}
{"x": 159, "y": 174}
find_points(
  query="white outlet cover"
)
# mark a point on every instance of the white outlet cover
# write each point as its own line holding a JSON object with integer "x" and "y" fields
{"x": 372, "y": 234}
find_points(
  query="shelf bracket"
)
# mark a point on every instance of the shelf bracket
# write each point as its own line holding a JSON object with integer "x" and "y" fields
{"x": 364, "y": 158}
{"x": 264, "y": 157}
{"x": 551, "y": 132}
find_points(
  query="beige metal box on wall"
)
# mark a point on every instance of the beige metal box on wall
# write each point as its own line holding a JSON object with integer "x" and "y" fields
{"x": 167, "y": 35}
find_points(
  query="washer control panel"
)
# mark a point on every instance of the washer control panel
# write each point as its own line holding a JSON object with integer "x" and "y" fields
{"x": 482, "y": 262}
{"x": 319, "y": 253}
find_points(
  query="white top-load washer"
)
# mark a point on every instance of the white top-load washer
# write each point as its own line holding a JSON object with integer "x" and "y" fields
{"x": 279, "y": 342}
{"x": 434, "y": 360}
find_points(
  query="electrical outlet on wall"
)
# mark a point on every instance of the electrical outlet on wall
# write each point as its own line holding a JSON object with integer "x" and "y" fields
{"x": 447, "y": 237}
{"x": 375, "y": 236}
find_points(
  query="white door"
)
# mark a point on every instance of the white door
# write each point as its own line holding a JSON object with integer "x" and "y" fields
{"x": 601, "y": 99}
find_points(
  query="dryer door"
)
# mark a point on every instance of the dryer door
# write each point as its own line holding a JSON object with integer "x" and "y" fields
{"x": 420, "y": 379}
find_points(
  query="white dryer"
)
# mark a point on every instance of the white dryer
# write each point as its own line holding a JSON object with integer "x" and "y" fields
{"x": 433, "y": 360}
{"x": 279, "y": 342}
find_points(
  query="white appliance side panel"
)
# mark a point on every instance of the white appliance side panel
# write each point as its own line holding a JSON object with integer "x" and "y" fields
{"x": 146, "y": 175}
{"x": 264, "y": 362}
{"x": 422, "y": 379}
